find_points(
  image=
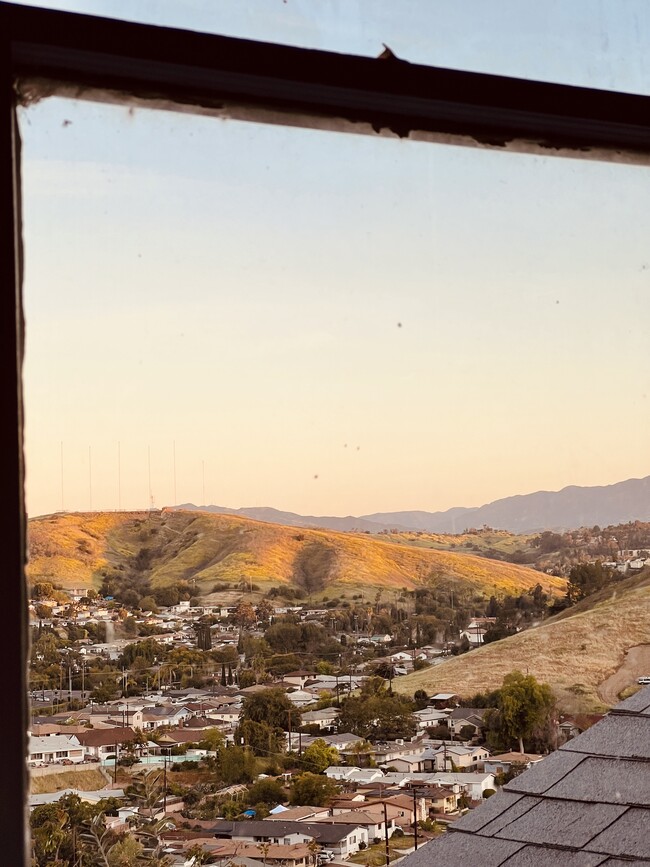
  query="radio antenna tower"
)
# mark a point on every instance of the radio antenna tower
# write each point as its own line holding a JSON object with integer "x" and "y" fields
{"x": 175, "y": 497}
{"x": 90, "y": 479}
{"x": 149, "y": 469}
{"x": 62, "y": 501}
{"x": 119, "y": 477}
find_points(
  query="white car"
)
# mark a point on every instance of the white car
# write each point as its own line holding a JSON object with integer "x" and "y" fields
{"x": 644, "y": 680}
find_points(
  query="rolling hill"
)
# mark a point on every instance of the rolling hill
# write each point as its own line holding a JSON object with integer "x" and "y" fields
{"x": 74, "y": 549}
{"x": 575, "y": 651}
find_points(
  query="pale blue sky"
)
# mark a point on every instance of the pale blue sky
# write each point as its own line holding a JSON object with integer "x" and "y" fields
{"x": 270, "y": 299}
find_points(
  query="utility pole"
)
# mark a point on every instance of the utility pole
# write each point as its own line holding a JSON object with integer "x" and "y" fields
{"x": 386, "y": 834}
{"x": 165, "y": 782}
{"x": 289, "y": 716}
{"x": 115, "y": 766}
{"x": 83, "y": 680}
{"x": 415, "y": 819}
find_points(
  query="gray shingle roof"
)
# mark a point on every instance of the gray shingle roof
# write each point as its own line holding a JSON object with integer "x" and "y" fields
{"x": 585, "y": 805}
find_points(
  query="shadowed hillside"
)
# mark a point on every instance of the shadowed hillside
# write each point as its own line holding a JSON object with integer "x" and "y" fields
{"x": 80, "y": 549}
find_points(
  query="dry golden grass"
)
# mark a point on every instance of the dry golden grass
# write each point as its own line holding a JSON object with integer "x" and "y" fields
{"x": 72, "y": 549}
{"x": 574, "y": 654}
{"x": 87, "y": 780}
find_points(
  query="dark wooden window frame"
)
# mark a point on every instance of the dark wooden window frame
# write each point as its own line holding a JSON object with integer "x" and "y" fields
{"x": 44, "y": 52}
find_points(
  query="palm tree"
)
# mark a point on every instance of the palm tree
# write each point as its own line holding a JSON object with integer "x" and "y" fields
{"x": 146, "y": 790}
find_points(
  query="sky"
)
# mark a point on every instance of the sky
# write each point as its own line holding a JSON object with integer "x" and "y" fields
{"x": 246, "y": 315}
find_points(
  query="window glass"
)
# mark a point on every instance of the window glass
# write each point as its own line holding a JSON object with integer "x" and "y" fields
{"x": 255, "y": 315}
{"x": 594, "y": 43}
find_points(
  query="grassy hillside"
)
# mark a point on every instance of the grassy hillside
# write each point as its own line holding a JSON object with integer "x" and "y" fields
{"x": 575, "y": 652}
{"x": 75, "y": 549}
{"x": 83, "y": 779}
{"x": 498, "y": 544}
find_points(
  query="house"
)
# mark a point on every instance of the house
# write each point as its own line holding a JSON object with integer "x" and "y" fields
{"x": 342, "y": 741}
{"x": 324, "y": 719}
{"x": 429, "y": 717}
{"x": 476, "y": 629}
{"x": 442, "y": 700}
{"x": 398, "y": 806}
{"x": 442, "y": 799}
{"x": 381, "y": 639}
{"x": 227, "y": 852}
{"x": 54, "y": 748}
{"x": 473, "y": 784}
{"x": 302, "y": 698}
{"x": 365, "y": 776}
{"x": 340, "y": 772}
{"x": 343, "y": 839}
{"x": 227, "y": 713}
{"x": 460, "y": 717}
{"x": 370, "y": 817}
{"x": 504, "y": 762}
{"x": 86, "y": 797}
{"x": 297, "y": 814}
{"x": 299, "y": 678}
{"x": 385, "y": 753}
{"x": 164, "y": 715}
{"x": 425, "y": 760}
{"x": 462, "y": 757}
{"x": 100, "y": 743}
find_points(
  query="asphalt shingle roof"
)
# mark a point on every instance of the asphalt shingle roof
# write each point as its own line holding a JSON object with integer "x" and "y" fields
{"x": 585, "y": 805}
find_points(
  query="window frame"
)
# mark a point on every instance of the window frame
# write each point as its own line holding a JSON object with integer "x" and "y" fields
{"x": 44, "y": 52}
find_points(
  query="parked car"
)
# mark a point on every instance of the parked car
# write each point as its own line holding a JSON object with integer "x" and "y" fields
{"x": 66, "y": 762}
{"x": 644, "y": 680}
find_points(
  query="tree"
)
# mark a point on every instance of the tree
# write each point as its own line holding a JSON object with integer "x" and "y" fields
{"x": 265, "y": 611}
{"x": 266, "y": 792}
{"x": 236, "y": 765}
{"x": 378, "y": 713}
{"x": 212, "y": 740}
{"x": 524, "y": 704}
{"x": 319, "y": 756}
{"x": 262, "y": 738}
{"x": 42, "y": 590}
{"x": 421, "y": 699}
{"x": 312, "y": 789}
{"x": 244, "y": 615}
{"x": 200, "y": 856}
{"x": 467, "y": 732}
{"x": 146, "y": 789}
{"x": 271, "y": 706}
{"x": 127, "y": 852}
{"x": 148, "y": 603}
{"x": 247, "y": 678}
{"x": 587, "y": 578}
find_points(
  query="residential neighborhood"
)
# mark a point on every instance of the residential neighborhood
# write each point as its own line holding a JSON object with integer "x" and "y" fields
{"x": 281, "y": 765}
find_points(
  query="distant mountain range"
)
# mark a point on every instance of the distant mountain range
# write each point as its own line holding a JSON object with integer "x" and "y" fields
{"x": 567, "y": 509}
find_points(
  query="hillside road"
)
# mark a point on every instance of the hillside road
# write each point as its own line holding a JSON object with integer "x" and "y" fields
{"x": 636, "y": 664}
